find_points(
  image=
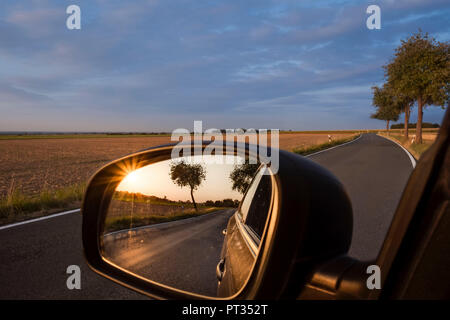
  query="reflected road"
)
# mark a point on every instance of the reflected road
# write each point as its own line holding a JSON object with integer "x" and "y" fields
{"x": 183, "y": 254}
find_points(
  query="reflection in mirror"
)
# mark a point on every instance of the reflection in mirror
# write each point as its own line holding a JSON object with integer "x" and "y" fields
{"x": 179, "y": 223}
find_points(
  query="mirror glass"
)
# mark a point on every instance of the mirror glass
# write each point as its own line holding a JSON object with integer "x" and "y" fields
{"x": 191, "y": 223}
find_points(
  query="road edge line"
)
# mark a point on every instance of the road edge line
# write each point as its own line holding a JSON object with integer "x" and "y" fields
{"x": 339, "y": 145}
{"x": 39, "y": 219}
{"x": 155, "y": 225}
{"x": 411, "y": 157}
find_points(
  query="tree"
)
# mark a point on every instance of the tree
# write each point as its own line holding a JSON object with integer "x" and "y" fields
{"x": 404, "y": 103}
{"x": 386, "y": 104}
{"x": 421, "y": 70}
{"x": 242, "y": 176}
{"x": 407, "y": 104}
{"x": 401, "y": 102}
{"x": 188, "y": 175}
{"x": 413, "y": 125}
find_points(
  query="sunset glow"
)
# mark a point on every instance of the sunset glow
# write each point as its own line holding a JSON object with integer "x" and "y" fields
{"x": 154, "y": 180}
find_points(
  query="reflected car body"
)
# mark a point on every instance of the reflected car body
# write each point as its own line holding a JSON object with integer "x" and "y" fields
{"x": 243, "y": 234}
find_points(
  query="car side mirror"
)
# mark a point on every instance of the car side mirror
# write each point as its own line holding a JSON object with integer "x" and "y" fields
{"x": 213, "y": 226}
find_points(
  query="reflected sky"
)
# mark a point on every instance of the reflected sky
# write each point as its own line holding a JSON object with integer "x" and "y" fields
{"x": 155, "y": 180}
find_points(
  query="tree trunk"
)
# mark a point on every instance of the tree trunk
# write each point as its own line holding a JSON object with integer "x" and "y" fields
{"x": 387, "y": 126}
{"x": 193, "y": 201}
{"x": 407, "y": 121}
{"x": 419, "y": 120}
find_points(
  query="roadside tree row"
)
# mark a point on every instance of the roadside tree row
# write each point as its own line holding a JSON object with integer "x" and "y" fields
{"x": 417, "y": 76}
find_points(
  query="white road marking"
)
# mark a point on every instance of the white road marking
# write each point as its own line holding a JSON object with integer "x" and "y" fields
{"x": 39, "y": 219}
{"x": 340, "y": 145}
{"x": 413, "y": 161}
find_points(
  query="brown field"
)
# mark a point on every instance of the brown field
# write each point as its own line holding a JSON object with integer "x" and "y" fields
{"x": 290, "y": 141}
{"x": 119, "y": 209}
{"x": 429, "y": 136}
{"x": 33, "y": 165}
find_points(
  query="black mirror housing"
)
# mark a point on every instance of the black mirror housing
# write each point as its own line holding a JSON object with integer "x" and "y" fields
{"x": 310, "y": 221}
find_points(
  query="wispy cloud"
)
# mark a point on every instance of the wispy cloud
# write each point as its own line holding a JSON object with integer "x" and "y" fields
{"x": 267, "y": 71}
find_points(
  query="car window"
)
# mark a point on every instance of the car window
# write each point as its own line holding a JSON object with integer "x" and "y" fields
{"x": 256, "y": 203}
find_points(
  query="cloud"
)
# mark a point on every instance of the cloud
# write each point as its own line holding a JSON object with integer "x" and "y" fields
{"x": 17, "y": 98}
{"x": 267, "y": 71}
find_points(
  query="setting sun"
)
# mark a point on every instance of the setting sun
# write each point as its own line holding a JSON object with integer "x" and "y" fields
{"x": 133, "y": 181}
{"x": 132, "y": 178}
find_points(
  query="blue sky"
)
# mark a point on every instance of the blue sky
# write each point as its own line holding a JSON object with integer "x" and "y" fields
{"x": 157, "y": 65}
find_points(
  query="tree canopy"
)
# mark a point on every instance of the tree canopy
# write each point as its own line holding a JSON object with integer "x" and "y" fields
{"x": 388, "y": 107}
{"x": 420, "y": 70}
{"x": 187, "y": 175}
{"x": 242, "y": 176}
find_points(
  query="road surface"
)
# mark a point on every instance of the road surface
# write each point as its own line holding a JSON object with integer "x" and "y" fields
{"x": 34, "y": 257}
{"x": 374, "y": 171}
{"x": 183, "y": 254}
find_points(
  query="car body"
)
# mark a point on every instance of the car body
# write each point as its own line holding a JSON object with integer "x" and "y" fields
{"x": 243, "y": 235}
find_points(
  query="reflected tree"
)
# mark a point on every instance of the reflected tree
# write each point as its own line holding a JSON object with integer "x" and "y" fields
{"x": 242, "y": 176}
{"x": 187, "y": 175}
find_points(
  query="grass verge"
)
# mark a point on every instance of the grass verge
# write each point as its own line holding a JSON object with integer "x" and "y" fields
{"x": 127, "y": 222}
{"x": 304, "y": 151}
{"x": 17, "y": 206}
{"x": 416, "y": 149}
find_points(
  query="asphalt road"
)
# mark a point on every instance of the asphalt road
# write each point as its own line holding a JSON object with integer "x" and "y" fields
{"x": 182, "y": 254}
{"x": 374, "y": 172}
{"x": 34, "y": 257}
